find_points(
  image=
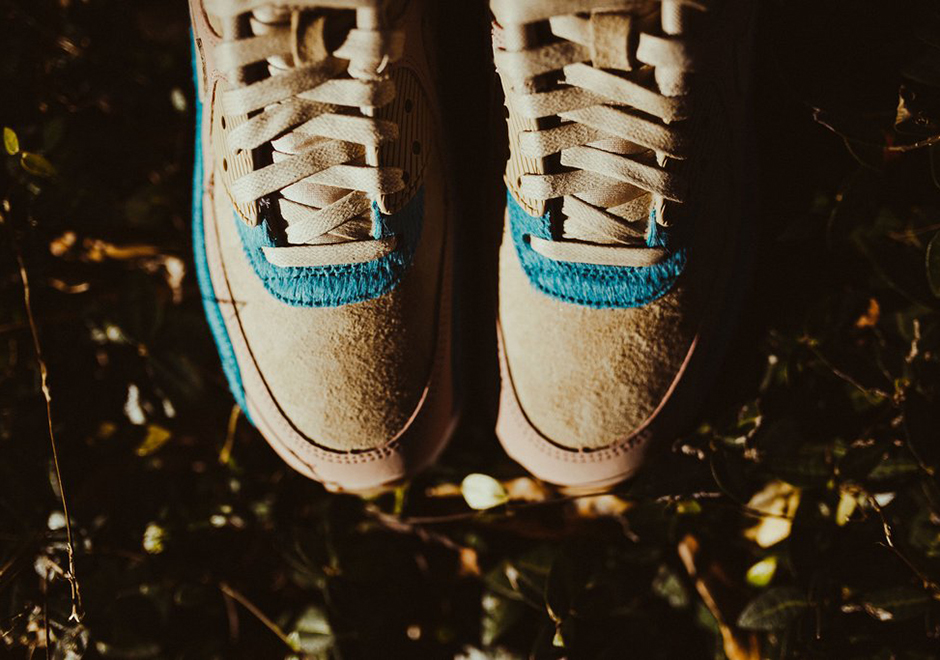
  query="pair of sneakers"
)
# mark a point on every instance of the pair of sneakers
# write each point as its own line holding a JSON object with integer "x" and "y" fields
{"x": 325, "y": 243}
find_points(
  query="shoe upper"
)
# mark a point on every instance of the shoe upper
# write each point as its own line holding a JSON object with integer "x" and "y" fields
{"x": 323, "y": 216}
{"x": 623, "y": 203}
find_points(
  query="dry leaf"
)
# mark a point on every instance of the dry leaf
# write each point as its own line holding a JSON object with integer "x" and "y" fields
{"x": 157, "y": 436}
{"x": 870, "y": 318}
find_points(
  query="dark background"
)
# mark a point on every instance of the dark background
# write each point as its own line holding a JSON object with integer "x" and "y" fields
{"x": 193, "y": 541}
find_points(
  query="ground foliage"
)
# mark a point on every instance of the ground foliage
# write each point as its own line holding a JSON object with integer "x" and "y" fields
{"x": 800, "y": 520}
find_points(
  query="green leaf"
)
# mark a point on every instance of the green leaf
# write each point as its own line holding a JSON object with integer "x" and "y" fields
{"x": 10, "y": 142}
{"x": 773, "y": 610}
{"x": 37, "y": 164}
{"x": 859, "y": 461}
{"x": 669, "y": 586}
{"x": 894, "y": 467}
{"x": 573, "y": 572}
{"x": 933, "y": 264}
{"x": 761, "y": 573}
{"x": 312, "y": 633}
{"x": 896, "y": 603}
{"x": 500, "y": 615}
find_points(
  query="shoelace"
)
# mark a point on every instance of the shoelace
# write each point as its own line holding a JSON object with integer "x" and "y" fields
{"x": 614, "y": 102}
{"x": 315, "y": 109}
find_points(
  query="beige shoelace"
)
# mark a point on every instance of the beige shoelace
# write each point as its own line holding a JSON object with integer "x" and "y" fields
{"x": 610, "y": 95}
{"x": 315, "y": 109}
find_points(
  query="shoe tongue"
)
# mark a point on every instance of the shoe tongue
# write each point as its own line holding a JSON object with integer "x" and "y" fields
{"x": 323, "y": 32}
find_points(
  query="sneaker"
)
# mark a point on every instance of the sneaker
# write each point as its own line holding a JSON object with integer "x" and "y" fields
{"x": 322, "y": 231}
{"x": 623, "y": 245}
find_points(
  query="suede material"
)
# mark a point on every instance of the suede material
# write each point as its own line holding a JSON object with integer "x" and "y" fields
{"x": 587, "y": 377}
{"x": 209, "y": 301}
{"x": 591, "y": 378}
{"x": 348, "y": 378}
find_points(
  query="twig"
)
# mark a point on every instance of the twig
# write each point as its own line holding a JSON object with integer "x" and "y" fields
{"x": 404, "y": 526}
{"x": 719, "y": 599}
{"x": 72, "y": 575}
{"x": 873, "y": 392}
{"x": 889, "y": 542}
{"x": 231, "y": 611}
{"x": 226, "y": 453}
{"x": 819, "y": 113}
{"x": 255, "y": 612}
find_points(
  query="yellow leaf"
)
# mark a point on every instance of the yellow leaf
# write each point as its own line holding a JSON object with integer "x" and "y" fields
{"x": 848, "y": 502}
{"x": 777, "y": 502}
{"x": 482, "y": 491}
{"x": 154, "y": 538}
{"x": 769, "y": 531}
{"x": 10, "y": 142}
{"x": 688, "y": 508}
{"x": 761, "y": 573}
{"x": 37, "y": 164}
{"x": 157, "y": 436}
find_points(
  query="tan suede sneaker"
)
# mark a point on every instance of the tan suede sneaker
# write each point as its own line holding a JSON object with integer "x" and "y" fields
{"x": 623, "y": 245}
{"x": 322, "y": 231}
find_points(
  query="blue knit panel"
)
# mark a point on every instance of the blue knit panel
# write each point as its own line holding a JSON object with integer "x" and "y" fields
{"x": 209, "y": 298}
{"x": 332, "y": 286}
{"x": 587, "y": 284}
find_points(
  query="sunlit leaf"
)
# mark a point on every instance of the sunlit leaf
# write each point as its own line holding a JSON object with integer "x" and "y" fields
{"x": 10, "y": 141}
{"x": 848, "y": 502}
{"x": 483, "y": 492}
{"x": 155, "y": 537}
{"x": 762, "y": 573}
{"x": 312, "y": 631}
{"x": 156, "y": 437}
{"x": 777, "y": 502}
